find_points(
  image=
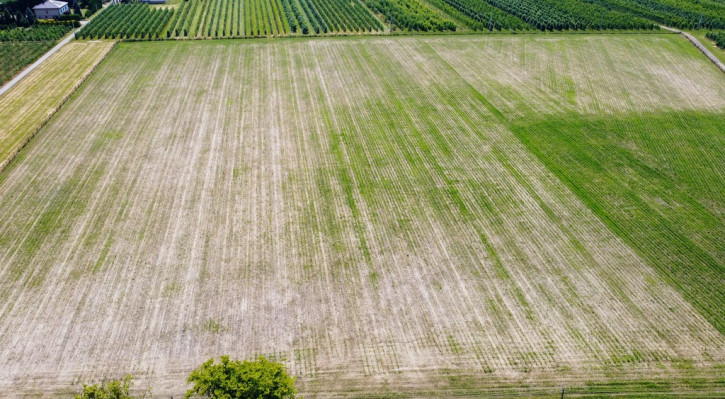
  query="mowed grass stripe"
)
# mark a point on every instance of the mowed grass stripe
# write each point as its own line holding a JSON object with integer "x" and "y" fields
{"x": 355, "y": 208}
{"x": 30, "y": 103}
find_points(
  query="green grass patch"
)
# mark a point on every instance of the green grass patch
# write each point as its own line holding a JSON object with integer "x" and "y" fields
{"x": 656, "y": 181}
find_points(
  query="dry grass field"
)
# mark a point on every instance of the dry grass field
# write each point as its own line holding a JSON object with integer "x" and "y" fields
{"x": 25, "y": 108}
{"x": 422, "y": 216}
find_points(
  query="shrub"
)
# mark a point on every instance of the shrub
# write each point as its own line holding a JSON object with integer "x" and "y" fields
{"x": 114, "y": 389}
{"x": 233, "y": 379}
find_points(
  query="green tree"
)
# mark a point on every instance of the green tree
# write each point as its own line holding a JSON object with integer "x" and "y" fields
{"x": 232, "y": 379}
{"x": 114, "y": 389}
{"x": 30, "y": 15}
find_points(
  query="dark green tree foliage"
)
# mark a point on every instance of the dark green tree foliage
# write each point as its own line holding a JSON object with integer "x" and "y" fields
{"x": 91, "y": 5}
{"x": 36, "y": 33}
{"x": 232, "y": 379}
{"x": 684, "y": 14}
{"x": 181, "y": 21}
{"x": 14, "y": 56}
{"x": 128, "y": 21}
{"x": 21, "y": 46}
{"x": 114, "y": 389}
{"x": 30, "y": 15}
{"x": 13, "y": 13}
{"x": 76, "y": 7}
{"x": 6, "y": 19}
{"x": 410, "y": 15}
{"x": 570, "y": 14}
{"x": 482, "y": 15}
{"x": 718, "y": 38}
{"x": 329, "y": 16}
{"x": 343, "y": 15}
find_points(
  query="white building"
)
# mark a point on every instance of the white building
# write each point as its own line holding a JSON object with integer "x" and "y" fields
{"x": 50, "y": 9}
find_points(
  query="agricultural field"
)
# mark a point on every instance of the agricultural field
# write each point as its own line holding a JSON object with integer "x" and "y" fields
{"x": 338, "y": 16}
{"x": 410, "y": 15}
{"x": 29, "y": 104}
{"x": 570, "y": 15}
{"x": 377, "y": 214}
{"x": 128, "y": 21}
{"x": 709, "y": 14}
{"x": 20, "y": 47}
{"x": 234, "y": 19}
{"x": 479, "y": 15}
{"x": 276, "y": 18}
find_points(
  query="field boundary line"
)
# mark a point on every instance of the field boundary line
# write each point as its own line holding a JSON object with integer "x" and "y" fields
{"x": 699, "y": 46}
{"x": 9, "y": 160}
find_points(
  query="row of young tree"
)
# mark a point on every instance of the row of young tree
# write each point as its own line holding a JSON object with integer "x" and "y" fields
{"x": 410, "y": 15}
{"x": 570, "y": 14}
{"x": 229, "y": 18}
{"x": 180, "y": 24}
{"x": 683, "y": 14}
{"x": 14, "y": 56}
{"x": 228, "y": 379}
{"x": 128, "y": 21}
{"x": 264, "y": 18}
{"x": 329, "y": 16}
{"x": 255, "y": 18}
{"x": 480, "y": 15}
{"x": 20, "y": 46}
{"x": 37, "y": 33}
{"x": 718, "y": 38}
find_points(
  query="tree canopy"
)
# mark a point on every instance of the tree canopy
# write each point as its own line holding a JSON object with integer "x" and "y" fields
{"x": 233, "y": 379}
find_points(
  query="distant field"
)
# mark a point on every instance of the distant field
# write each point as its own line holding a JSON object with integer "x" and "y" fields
{"x": 426, "y": 216}
{"x": 25, "y": 107}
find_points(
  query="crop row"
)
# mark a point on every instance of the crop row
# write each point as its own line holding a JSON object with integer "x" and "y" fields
{"x": 677, "y": 13}
{"x": 323, "y": 16}
{"x": 128, "y": 21}
{"x": 38, "y": 32}
{"x": 479, "y": 15}
{"x": 570, "y": 14}
{"x": 229, "y": 18}
{"x": 257, "y": 18}
{"x": 411, "y": 15}
{"x": 14, "y": 56}
{"x": 183, "y": 19}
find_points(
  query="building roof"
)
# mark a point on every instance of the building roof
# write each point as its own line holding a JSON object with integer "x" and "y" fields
{"x": 50, "y": 5}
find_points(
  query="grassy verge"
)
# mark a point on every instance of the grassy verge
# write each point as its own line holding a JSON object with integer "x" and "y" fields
{"x": 28, "y": 105}
{"x": 709, "y": 44}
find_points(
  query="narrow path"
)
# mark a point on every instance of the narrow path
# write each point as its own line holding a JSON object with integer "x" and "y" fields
{"x": 40, "y": 60}
{"x": 699, "y": 46}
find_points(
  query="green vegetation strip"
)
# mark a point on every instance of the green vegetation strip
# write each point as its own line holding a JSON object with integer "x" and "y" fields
{"x": 657, "y": 181}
